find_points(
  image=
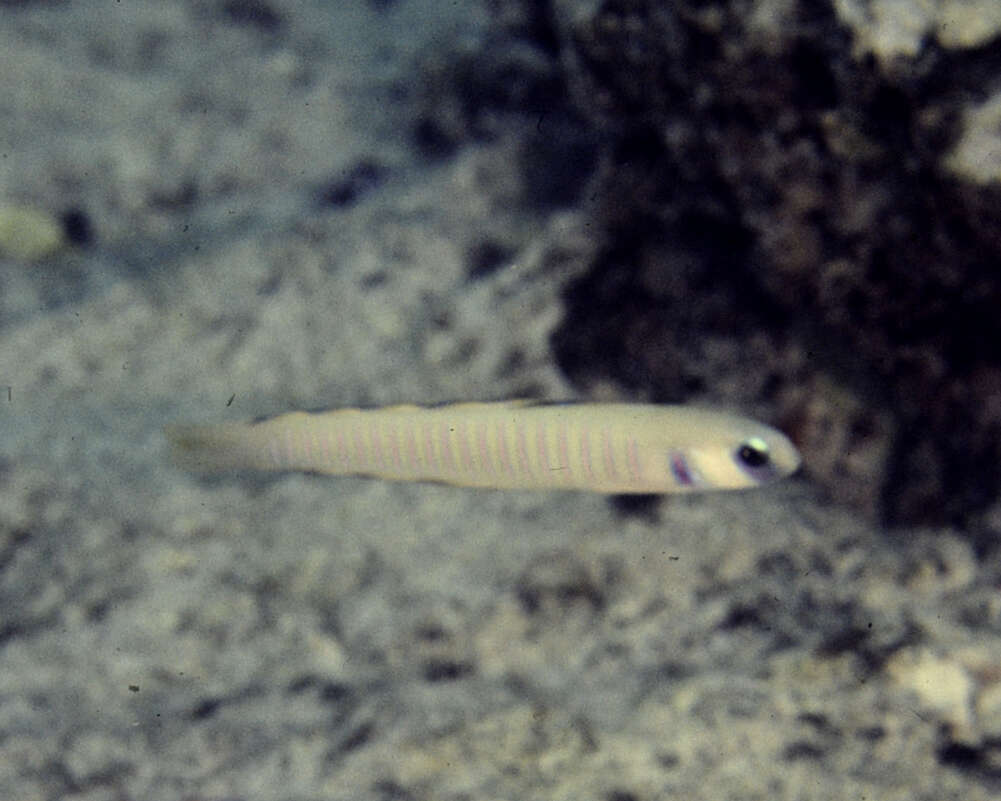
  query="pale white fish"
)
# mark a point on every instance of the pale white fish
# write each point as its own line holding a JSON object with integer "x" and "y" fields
{"x": 598, "y": 447}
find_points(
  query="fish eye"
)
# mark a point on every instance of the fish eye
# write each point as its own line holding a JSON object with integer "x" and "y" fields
{"x": 753, "y": 453}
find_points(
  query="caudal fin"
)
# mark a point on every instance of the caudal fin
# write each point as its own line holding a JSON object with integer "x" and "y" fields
{"x": 213, "y": 448}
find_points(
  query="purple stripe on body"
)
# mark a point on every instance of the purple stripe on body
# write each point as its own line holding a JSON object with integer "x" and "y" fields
{"x": 429, "y": 451}
{"x": 503, "y": 457}
{"x": 394, "y": 445}
{"x": 465, "y": 449}
{"x": 359, "y": 443}
{"x": 609, "y": 454}
{"x": 540, "y": 444}
{"x": 309, "y": 446}
{"x": 377, "y": 456}
{"x": 326, "y": 439}
{"x": 447, "y": 457}
{"x": 343, "y": 455}
{"x": 483, "y": 447}
{"x": 585, "y": 453}
{"x": 563, "y": 449}
{"x": 275, "y": 451}
{"x": 521, "y": 443}
{"x": 680, "y": 470}
{"x": 411, "y": 441}
{"x": 633, "y": 460}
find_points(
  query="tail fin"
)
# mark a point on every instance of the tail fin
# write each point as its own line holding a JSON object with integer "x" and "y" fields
{"x": 214, "y": 448}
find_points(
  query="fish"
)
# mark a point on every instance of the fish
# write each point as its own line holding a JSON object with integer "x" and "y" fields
{"x": 614, "y": 448}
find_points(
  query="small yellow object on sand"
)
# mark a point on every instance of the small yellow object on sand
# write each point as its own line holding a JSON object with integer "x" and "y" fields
{"x": 29, "y": 234}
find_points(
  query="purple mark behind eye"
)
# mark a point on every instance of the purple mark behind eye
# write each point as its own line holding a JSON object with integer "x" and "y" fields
{"x": 679, "y": 468}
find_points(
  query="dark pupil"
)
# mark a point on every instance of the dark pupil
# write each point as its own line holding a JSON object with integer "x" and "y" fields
{"x": 752, "y": 456}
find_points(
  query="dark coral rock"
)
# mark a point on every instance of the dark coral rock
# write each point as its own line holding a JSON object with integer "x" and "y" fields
{"x": 783, "y": 233}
